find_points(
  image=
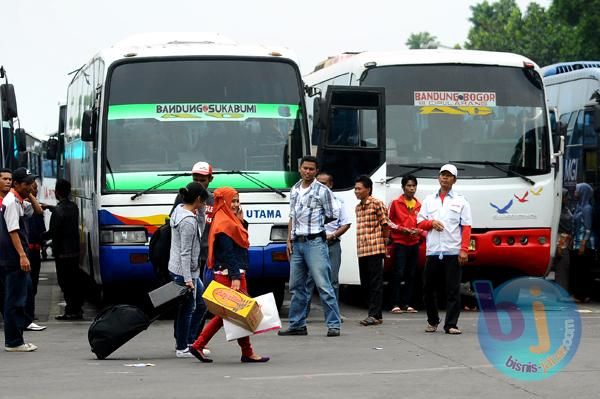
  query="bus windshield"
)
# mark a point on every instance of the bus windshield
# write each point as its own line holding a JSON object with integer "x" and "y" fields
{"x": 237, "y": 114}
{"x": 477, "y": 114}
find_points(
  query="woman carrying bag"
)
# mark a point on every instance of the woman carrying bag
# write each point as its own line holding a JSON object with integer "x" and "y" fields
{"x": 228, "y": 258}
{"x": 183, "y": 259}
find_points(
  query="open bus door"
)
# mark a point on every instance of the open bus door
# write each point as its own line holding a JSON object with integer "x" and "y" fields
{"x": 350, "y": 126}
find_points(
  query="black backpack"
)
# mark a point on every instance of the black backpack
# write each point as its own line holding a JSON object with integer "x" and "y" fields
{"x": 159, "y": 251}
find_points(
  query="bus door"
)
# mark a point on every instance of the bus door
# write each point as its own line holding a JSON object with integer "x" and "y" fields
{"x": 351, "y": 135}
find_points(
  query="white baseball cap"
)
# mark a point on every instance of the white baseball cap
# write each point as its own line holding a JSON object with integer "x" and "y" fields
{"x": 449, "y": 168}
{"x": 202, "y": 168}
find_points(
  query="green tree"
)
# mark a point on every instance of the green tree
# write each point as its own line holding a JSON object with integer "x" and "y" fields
{"x": 421, "y": 40}
{"x": 580, "y": 21}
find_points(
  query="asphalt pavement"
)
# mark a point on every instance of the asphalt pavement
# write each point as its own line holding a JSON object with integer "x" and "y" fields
{"x": 395, "y": 359}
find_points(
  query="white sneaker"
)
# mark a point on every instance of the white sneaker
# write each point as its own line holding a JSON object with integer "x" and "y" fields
{"x": 27, "y": 347}
{"x": 183, "y": 353}
{"x": 206, "y": 352}
{"x": 35, "y": 327}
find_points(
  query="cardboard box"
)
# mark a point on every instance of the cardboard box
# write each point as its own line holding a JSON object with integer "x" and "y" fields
{"x": 232, "y": 305}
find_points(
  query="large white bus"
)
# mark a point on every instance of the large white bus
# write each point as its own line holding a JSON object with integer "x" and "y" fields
{"x": 391, "y": 114}
{"x": 138, "y": 116}
{"x": 573, "y": 88}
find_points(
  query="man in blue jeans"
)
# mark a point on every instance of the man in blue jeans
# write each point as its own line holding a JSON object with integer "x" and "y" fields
{"x": 311, "y": 207}
{"x": 14, "y": 262}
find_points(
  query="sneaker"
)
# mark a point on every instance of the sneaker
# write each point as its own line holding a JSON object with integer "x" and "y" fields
{"x": 183, "y": 353}
{"x": 453, "y": 331}
{"x": 35, "y": 327}
{"x": 27, "y": 347}
{"x": 431, "y": 328}
{"x": 199, "y": 355}
{"x": 333, "y": 332}
{"x": 293, "y": 331}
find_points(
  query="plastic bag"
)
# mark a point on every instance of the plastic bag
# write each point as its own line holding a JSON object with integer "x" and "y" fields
{"x": 270, "y": 320}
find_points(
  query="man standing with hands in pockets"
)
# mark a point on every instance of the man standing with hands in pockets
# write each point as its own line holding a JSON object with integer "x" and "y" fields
{"x": 447, "y": 216}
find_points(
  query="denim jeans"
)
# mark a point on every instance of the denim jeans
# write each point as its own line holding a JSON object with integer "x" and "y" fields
{"x": 15, "y": 282}
{"x": 185, "y": 313}
{"x": 197, "y": 322}
{"x": 335, "y": 258}
{"x": 311, "y": 257}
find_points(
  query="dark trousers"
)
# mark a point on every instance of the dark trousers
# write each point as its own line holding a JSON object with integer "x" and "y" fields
{"x": 15, "y": 281}
{"x": 70, "y": 281}
{"x": 36, "y": 263}
{"x": 445, "y": 272}
{"x": 371, "y": 279}
{"x": 579, "y": 274}
{"x": 405, "y": 267}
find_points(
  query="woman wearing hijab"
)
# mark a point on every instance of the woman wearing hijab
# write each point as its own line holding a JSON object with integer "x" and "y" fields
{"x": 583, "y": 243}
{"x": 228, "y": 258}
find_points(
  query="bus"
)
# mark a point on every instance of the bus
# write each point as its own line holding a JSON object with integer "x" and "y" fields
{"x": 138, "y": 116}
{"x": 573, "y": 88}
{"x": 397, "y": 113}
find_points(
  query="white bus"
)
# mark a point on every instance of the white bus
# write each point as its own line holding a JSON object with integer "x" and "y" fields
{"x": 142, "y": 112}
{"x": 391, "y": 114}
{"x": 574, "y": 89}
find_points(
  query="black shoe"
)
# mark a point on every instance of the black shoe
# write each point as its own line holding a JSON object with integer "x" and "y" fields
{"x": 70, "y": 316}
{"x": 333, "y": 332}
{"x": 199, "y": 355}
{"x": 293, "y": 331}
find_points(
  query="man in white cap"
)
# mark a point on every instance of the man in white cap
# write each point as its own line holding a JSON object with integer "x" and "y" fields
{"x": 202, "y": 173}
{"x": 447, "y": 216}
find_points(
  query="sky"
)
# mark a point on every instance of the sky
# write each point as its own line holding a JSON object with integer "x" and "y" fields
{"x": 41, "y": 41}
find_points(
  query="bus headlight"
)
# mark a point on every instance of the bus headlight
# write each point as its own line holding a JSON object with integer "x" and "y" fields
{"x": 279, "y": 233}
{"x": 125, "y": 236}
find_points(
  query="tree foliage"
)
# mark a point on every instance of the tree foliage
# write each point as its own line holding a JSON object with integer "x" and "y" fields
{"x": 421, "y": 40}
{"x": 565, "y": 32}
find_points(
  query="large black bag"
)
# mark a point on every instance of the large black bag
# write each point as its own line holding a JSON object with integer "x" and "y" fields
{"x": 159, "y": 250}
{"x": 114, "y": 326}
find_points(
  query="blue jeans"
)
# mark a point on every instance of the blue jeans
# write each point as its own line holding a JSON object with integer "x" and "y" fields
{"x": 311, "y": 257}
{"x": 335, "y": 258}
{"x": 190, "y": 310}
{"x": 15, "y": 282}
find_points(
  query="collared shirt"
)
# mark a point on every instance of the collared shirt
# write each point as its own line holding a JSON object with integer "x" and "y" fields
{"x": 371, "y": 217}
{"x": 453, "y": 212}
{"x": 15, "y": 209}
{"x": 309, "y": 209}
{"x": 342, "y": 220}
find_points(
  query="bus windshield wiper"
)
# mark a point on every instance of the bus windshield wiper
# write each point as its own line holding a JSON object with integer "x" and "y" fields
{"x": 172, "y": 176}
{"x": 497, "y": 166}
{"x": 416, "y": 168}
{"x": 255, "y": 180}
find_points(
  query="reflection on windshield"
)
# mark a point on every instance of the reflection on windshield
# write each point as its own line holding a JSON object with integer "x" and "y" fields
{"x": 138, "y": 145}
{"x": 514, "y": 136}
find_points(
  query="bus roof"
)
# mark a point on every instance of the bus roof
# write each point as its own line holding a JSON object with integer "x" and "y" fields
{"x": 565, "y": 67}
{"x": 577, "y": 74}
{"x": 355, "y": 62}
{"x": 163, "y": 44}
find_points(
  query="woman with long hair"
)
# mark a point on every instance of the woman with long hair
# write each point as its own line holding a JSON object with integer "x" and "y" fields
{"x": 584, "y": 243}
{"x": 228, "y": 257}
{"x": 183, "y": 259}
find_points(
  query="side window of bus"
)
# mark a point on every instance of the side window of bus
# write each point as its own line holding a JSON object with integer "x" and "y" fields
{"x": 578, "y": 130}
{"x": 589, "y": 135}
{"x": 571, "y": 118}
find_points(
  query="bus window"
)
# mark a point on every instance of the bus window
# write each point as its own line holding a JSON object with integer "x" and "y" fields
{"x": 589, "y": 134}
{"x": 577, "y": 129}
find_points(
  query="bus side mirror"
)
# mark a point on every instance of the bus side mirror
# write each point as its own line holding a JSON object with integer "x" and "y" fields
{"x": 9, "y": 102}
{"x": 88, "y": 125}
{"x": 596, "y": 116}
{"x": 561, "y": 147}
{"x": 21, "y": 140}
{"x": 51, "y": 149}
{"x": 319, "y": 119}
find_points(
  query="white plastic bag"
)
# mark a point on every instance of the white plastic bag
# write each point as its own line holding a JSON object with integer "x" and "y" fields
{"x": 270, "y": 320}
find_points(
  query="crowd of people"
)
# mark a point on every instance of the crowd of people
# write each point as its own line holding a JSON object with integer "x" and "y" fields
{"x": 209, "y": 241}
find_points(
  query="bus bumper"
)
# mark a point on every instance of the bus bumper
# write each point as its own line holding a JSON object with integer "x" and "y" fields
{"x": 124, "y": 262}
{"x": 268, "y": 262}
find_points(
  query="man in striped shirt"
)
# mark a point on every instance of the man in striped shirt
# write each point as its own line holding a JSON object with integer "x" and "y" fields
{"x": 371, "y": 235}
{"x": 311, "y": 207}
